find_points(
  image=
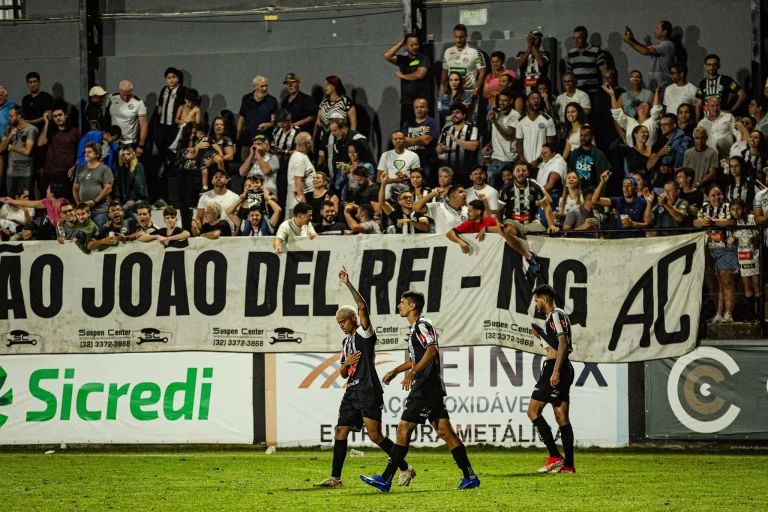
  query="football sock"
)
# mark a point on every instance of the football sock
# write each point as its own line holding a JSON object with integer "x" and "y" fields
{"x": 386, "y": 445}
{"x": 339, "y": 454}
{"x": 566, "y": 434}
{"x": 460, "y": 456}
{"x": 545, "y": 434}
{"x": 396, "y": 456}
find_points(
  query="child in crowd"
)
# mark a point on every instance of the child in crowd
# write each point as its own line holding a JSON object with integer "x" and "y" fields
{"x": 85, "y": 227}
{"x": 746, "y": 242}
{"x": 171, "y": 235}
{"x": 189, "y": 112}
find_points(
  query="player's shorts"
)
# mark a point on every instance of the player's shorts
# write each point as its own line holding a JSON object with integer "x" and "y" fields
{"x": 544, "y": 392}
{"x": 420, "y": 409}
{"x": 359, "y": 404}
{"x": 529, "y": 227}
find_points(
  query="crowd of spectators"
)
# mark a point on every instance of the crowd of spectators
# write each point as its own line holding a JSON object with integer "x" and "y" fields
{"x": 594, "y": 161}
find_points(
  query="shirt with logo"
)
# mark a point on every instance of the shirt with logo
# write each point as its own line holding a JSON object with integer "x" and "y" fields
{"x": 534, "y": 133}
{"x": 362, "y": 375}
{"x": 126, "y": 114}
{"x": 428, "y": 383}
{"x": 465, "y": 62}
{"x": 520, "y": 203}
{"x": 412, "y": 89}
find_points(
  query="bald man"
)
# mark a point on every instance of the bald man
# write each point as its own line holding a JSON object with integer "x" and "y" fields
{"x": 130, "y": 114}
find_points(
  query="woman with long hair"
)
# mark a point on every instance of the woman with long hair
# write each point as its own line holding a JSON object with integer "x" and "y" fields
{"x": 417, "y": 185}
{"x": 130, "y": 185}
{"x": 722, "y": 261}
{"x": 636, "y": 156}
{"x": 345, "y": 181}
{"x": 741, "y": 185}
{"x": 337, "y": 102}
{"x": 570, "y": 129}
{"x": 747, "y": 243}
{"x": 453, "y": 93}
{"x": 321, "y": 192}
{"x": 572, "y": 196}
{"x": 685, "y": 119}
{"x": 52, "y": 203}
{"x": 221, "y": 142}
{"x": 756, "y": 156}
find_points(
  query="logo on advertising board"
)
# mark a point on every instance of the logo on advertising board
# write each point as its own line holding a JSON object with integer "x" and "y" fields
{"x": 696, "y": 377}
{"x": 19, "y": 337}
{"x": 328, "y": 369}
{"x": 285, "y": 335}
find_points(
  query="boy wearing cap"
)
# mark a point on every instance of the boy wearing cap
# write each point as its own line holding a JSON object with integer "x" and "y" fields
{"x": 302, "y": 107}
{"x": 94, "y": 110}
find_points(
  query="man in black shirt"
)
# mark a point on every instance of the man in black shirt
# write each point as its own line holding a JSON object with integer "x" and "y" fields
{"x": 117, "y": 229}
{"x": 364, "y": 399}
{"x": 425, "y": 400}
{"x": 402, "y": 218}
{"x": 213, "y": 225}
{"x": 723, "y": 87}
{"x": 554, "y": 384}
{"x": 302, "y": 107}
{"x": 329, "y": 225}
{"x": 414, "y": 68}
{"x": 367, "y": 192}
{"x": 37, "y": 102}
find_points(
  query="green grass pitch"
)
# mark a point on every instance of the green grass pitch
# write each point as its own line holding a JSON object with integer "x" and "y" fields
{"x": 240, "y": 479}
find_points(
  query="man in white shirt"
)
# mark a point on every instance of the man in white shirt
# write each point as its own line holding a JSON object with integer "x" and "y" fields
{"x": 299, "y": 225}
{"x": 398, "y": 162}
{"x": 552, "y": 171}
{"x": 219, "y": 194}
{"x": 481, "y": 188}
{"x": 571, "y": 95}
{"x": 721, "y": 127}
{"x": 680, "y": 91}
{"x": 464, "y": 59}
{"x": 130, "y": 114}
{"x": 503, "y": 144}
{"x": 301, "y": 172}
{"x": 446, "y": 215}
{"x": 533, "y": 131}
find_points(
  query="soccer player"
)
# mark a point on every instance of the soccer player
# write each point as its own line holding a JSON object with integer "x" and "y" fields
{"x": 554, "y": 384}
{"x": 425, "y": 400}
{"x": 364, "y": 399}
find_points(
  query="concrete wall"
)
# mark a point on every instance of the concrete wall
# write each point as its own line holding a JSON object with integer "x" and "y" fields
{"x": 222, "y": 55}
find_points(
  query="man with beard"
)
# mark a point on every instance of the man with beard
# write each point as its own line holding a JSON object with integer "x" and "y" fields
{"x": 421, "y": 134}
{"x": 62, "y": 141}
{"x": 398, "y": 163}
{"x": 458, "y": 145}
{"x": 301, "y": 106}
{"x": 19, "y": 139}
{"x": 533, "y": 130}
{"x": 503, "y": 143}
{"x": 588, "y": 161}
{"x": 403, "y": 219}
{"x": 414, "y": 68}
{"x": 670, "y": 148}
{"x": 329, "y": 225}
{"x": 117, "y": 229}
{"x": 144, "y": 218}
{"x": 257, "y": 114}
{"x": 480, "y": 189}
{"x": 478, "y": 223}
{"x": 518, "y": 213}
{"x": 255, "y": 222}
{"x": 632, "y": 211}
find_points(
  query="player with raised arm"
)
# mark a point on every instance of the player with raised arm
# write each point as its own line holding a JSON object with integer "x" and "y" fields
{"x": 554, "y": 384}
{"x": 425, "y": 400}
{"x": 364, "y": 399}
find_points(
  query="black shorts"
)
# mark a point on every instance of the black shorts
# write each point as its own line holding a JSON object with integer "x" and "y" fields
{"x": 420, "y": 409}
{"x": 544, "y": 392}
{"x": 359, "y": 404}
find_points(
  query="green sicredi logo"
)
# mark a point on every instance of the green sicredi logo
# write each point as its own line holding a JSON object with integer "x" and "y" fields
{"x": 6, "y": 398}
{"x": 95, "y": 401}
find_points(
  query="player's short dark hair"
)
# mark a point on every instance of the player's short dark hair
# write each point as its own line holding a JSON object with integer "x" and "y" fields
{"x": 460, "y": 27}
{"x": 114, "y": 204}
{"x": 672, "y": 117}
{"x": 33, "y": 74}
{"x": 681, "y": 67}
{"x": 82, "y": 206}
{"x": 408, "y": 36}
{"x": 415, "y": 298}
{"x": 712, "y": 56}
{"x": 328, "y": 203}
{"x": 666, "y": 27}
{"x": 452, "y": 189}
{"x": 586, "y": 126}
{"x": 477, "y": 205}
{"x": 115, "y": 131}
{"x": 254, "y": 208}
{"x": 689, "y": 173}
{"x": 302, "y": 208}
{"x": 508, "y": 92}
{"x": 544, "y": 290}
{"x": 145, "y": 206}
{"x": 19, "y": 111}
{"x": 174, "y": 71}
{"x": 361, "y": 172}
{"x": 368, "y": 209}
{"x": 170, "y": 211}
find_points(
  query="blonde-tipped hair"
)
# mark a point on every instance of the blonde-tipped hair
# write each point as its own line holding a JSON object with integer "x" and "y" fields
{"x": 347, "y": 311}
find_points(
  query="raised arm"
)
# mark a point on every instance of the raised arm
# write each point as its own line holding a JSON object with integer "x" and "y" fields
{"x": 362, "y": 307}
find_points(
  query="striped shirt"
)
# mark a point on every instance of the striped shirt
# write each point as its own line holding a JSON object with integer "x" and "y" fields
{"x": 328, "y": 107}
{"x": 585, "y": 66}
{"x": 458, "y": 158}
{"x": 166, "y": 103}
{"x": 283, "y": 140}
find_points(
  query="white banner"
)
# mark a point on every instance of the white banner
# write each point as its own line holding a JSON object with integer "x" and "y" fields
{"x": 130, "y": 398}
{"x": 628, "y": 300}
{"x": 488, "y": 393}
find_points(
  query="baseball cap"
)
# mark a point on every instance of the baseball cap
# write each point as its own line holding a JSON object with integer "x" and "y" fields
{"x": 260, "y": 138}
{"x": 97, "y": 90}
{"x": 291, "y": 77}
{"x": 535, "y": 32}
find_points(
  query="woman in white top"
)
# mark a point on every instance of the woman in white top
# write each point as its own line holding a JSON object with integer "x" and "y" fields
{"x": 647, "y": 115}
{"x": 301, "y": 172}
{"x": 571, "y": 127}
{"x": 572, "y": 196}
